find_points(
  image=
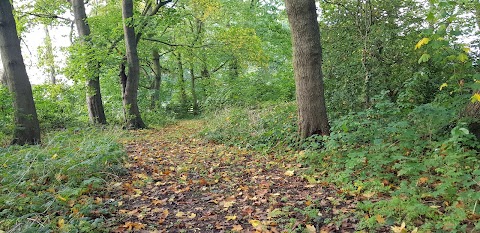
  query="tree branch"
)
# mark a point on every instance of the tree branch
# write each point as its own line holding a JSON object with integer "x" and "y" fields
{"x": 48, "y": 16}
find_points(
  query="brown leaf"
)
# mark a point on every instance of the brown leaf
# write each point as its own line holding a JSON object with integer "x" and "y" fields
{"x": 237, "y": 228}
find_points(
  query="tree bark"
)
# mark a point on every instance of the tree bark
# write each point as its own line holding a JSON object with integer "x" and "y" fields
{"x": 133, "y": 118}
{"x": 194, "y": 92}
{"x": 472, "y": 110}
{"x": 49, "y": 57}
{"x": 96, "y": 111}
{"x": 27, "y": 128}
{"x": 181, "y": 83}
{"x": 307, "y": 63}
{"x": 157, "y": 82}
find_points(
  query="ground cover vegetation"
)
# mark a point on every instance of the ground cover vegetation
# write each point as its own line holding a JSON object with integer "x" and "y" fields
{"x": 397, "y": 151}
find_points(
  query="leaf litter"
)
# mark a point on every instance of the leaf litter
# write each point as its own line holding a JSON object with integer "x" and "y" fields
{"x": 178, "y": 182}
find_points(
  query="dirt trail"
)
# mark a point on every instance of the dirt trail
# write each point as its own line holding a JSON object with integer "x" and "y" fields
{"x": 178, "y": 182}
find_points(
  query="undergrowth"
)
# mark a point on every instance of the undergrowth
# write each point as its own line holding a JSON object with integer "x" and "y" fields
{"x": 56, "y": 187}
{"x": 420, "y": 166}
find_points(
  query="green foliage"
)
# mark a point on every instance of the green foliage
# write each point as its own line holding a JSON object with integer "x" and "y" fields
{"x": 58, "y": 106}
{"x": 53, "y": 187}
{"x": 266, "y": 127}
{"x": 422, "y": 169}
{"x": 6, "y": 114}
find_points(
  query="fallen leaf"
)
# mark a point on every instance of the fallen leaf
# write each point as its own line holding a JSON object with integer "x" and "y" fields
{"x": 192, "y": 215}
{"x": 61, "y": 223}
{"x": 255, "y": 223}
{"x": 380, "y": 219}
{"x": 227, "y": 204}
{"x": 237, "y": 228}
{"x": 179, "y": 214}
{"x": 400, "y": 229}
{"x": 289, "y": 173}
{"x": 311, "y": 229}
{"x": 233, "y": 217}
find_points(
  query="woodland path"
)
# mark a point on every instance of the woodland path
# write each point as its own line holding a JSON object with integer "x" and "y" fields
{"x": 178, "y": 182}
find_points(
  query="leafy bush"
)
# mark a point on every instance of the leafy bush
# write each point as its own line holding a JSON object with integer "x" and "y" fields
{"x": 54, "y": 187}
{"x": 58, "y": 105}
{"x": 407, "y": 167}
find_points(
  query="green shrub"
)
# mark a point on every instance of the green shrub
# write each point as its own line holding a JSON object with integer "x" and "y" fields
{"x": 423, "y": 174}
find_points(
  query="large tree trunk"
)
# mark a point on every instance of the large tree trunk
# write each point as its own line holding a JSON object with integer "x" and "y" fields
{"x": 96, "y": 111}
{"x": 307, "y": 53}
{"x": 27, "y": 129}
{"x": 132, "y": 117}
{"x": 157, "y": 82}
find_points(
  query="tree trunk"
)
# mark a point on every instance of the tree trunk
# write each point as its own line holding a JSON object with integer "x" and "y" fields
{"x": 194, "y": 92}
{"x": 133, "y": 118}
{"x": 472, "y": 110}
{"x": 27, "y": 129}
{"x": 96, "y": 111}
{"x": 50, "y": 57}
{"x": 307, "y": 53}
{"x": 181, "y": 83}
{"x": 158, "y": 79}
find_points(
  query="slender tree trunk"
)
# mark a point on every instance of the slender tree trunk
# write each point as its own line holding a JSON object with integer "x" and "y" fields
{"x": 133, "y": 118}
{"x": 307, "y": 53}
{"x": 27, "y": 129}
{"x": 158, "y": 79}
{"x": 194, "y": 92}
{"x": 96, "y": 111}
{"x": 181, "y": 83}
{"x": 49, "y": 57}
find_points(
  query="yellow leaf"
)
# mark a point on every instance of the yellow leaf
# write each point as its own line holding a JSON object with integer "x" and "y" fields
{"x": 227, "y": 204}
{"x": 255, "y": 223}
{"x": 61, "y": 223}
{"x": 400, "y": 229}
{"x": 475, "y": 98}
{"x": 466, "y": 49}
{"x": 179, "y": 214}
{"x": 289, "y": 173}
{"x": 443, "y": 86}
{"x": 368, "y": 194}
{"x": 192, "y": 215}
{"x": 311, "y": 229}
{"x": 237, "y": 228}
{"x": 422, "y": 42}
{"x": 54, "y": 156}
{"x": 380, "y": 219}
{"x": 233, "y": 217}
{"x": 60, "y": 198}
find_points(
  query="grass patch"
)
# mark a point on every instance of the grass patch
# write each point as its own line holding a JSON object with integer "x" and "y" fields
{"x": 58, "y": 186}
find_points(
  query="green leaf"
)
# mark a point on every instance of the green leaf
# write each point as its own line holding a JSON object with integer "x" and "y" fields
{"x": 424, "y": 58}
{"x": 462, "y": 57}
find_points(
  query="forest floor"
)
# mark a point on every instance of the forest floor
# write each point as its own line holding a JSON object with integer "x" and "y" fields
{"x": 178, "y": 182}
